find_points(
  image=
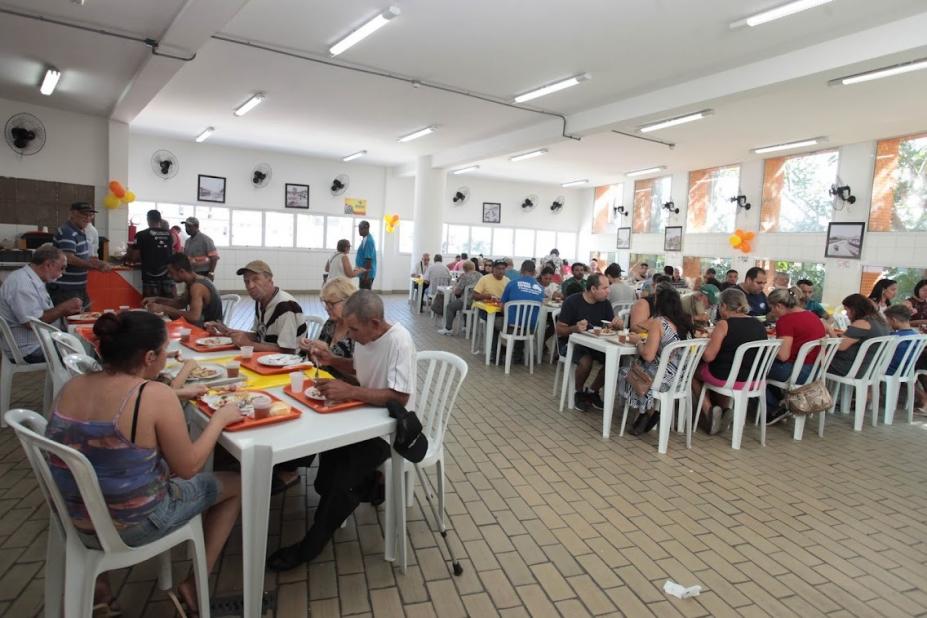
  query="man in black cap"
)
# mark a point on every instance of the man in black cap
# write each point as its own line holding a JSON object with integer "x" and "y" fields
{"x": 72, "y": 240}
{"x": 153, "y": 247}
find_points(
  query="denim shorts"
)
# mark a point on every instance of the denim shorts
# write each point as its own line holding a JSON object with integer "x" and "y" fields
{"x": 185, "y": 499}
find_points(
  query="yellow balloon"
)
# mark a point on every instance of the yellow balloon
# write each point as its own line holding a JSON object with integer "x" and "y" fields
{"x": 735, "y": 240}
{"x": 111, "y": 201}
{"x": 128, "y": 198}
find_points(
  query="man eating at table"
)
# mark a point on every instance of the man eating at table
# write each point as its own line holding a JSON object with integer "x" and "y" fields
{"x": 384, "y": 363}
{"x": 579, "y": 313}
{"x": 278, "y": 317}
{"x": 200, "y": 301}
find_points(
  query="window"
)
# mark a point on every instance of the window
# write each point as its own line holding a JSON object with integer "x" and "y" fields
{"x": 649, "y": 259}
{"x": 458, "y": 239}
{"x": 338, "y": 228}
{"x": 278, "y": 229}
{"x": 606, "y": 199}
{"x": 524, "y": 243}
{"x": 649, "y": 197}
{"x": 907, "y": 278}
{"x": 696, "y": 266}
{"x": 899, "y": 189}
{"x": 566, "y": 243}
{"x": 406, "y": 235}
{"x": 503, "y": 241}
{"x": 174, "y": 214}
{"x": 710, "y": 192}
{"x": 214, "y": 222}
{"x": 310, "y": 231}
{"x": 545, "y": 240}
{"x": 480, "y": 240}
{"x": 795, "y": 192}
{"x": 812, "y": 271}
{"x": 374, "y": 232}
{"x": 247, "y": 228}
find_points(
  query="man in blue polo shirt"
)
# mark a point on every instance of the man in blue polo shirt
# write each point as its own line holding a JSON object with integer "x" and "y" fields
{"x": 752, "y": 287}
{"x": 366, "y": 256}
{"x": 72, "y": 240}
{"x": 523, "y": 287}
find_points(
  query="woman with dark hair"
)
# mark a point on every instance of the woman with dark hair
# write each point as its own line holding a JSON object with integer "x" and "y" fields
{"x": 642, "y": 309}
{"x": 865, "y": 323}
{"x": 883, "y": 292}
{"x": 668, "y": 324}
{"x": 133, "y": 431}
{"x": 734, "y": 328}
{"x": 918, "y": 304}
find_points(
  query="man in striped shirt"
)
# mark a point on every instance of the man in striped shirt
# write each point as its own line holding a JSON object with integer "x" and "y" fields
{"x": 72, "y": 240}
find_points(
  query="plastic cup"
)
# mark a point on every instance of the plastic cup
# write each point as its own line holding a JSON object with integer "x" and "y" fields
{"x": 297, "y": 381}
{"x": 109, "y": 311}
{"x": 124, "y": 307}
{"x": 247, "y": 351}
{"x": 232, "y": 368}
{"x": 262, "y": 404}
{"x": 597, "y": 330}
{"x": 184, "y": 334}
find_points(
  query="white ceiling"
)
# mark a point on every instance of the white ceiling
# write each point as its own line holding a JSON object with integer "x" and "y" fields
{"x": 495, "y": 48}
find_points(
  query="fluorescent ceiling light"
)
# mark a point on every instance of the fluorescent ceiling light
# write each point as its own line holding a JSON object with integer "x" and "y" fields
{"x": 895, "y": 69}
{"x": 528, "y": 155}
{"x": 464, "y": 170}
{"x": 574, "y": 183}
{"x": 789, "y": 145}
{"x": 550, "y": 88}
{"x": 364, "y": 31}
{"x": 789, "y": 8}
{"x": 356, "y": 155}
{"x": 202, "y": 137}
{"x": 672, "y": 122}
{"x": 644, "y": 172}
{"x": 417, "y": 134}
{"x": 50, "y": 80}
{"x": 250, "y": 104}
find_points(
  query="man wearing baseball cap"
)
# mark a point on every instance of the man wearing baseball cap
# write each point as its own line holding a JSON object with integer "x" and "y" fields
{"x": 278, "y": 317}
{"x": 200, "y": 249}
{"x": 72, "y": 240}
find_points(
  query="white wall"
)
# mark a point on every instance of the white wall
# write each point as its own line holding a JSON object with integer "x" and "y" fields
{"x": 75, "y": 152}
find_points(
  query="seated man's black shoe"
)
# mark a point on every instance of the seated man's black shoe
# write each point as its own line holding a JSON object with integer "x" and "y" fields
{"x": 290, "y": 557}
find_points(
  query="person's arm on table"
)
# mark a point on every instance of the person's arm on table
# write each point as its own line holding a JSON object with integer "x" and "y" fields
{"x": 714, "y": 342}
{"x": 68, "y": 307}
{"x": 336, "y": 390}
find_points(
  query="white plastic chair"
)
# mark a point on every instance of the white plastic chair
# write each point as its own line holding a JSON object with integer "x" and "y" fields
{"x": 466, "y": 313}
{"x": 432, "y": 291}
{"x": 228, "y": 305}
{"x": 66, "y": 343}
{"x": 905, "y": 373}
{"x": 827, "y": 350}
{"x": 13, "y": 363}
{"x": 314, "y": 324}
{"x": 754, "y": 387}
{"x": 841, "y": 320}
{"x": 79, "y": 364}
{"x": 617, "y": 308}
{"x": 861, "y": 377}
{"x": 686, "y": 355}
{"x": 521, "y": 328}
{"x": 71, "y": 568}
{"x": 56, "y": 371}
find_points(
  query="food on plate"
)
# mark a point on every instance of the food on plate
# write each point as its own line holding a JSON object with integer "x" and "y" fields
{"x": 314, "y": 393}
{"x": 213, "y": 342}
{"x": 205, "y": 372}
{"x": 243, "y": 399}
{"x": 279, "y": 409}
{"x": 92, "y": 315}
{"x": 281, "y": 360}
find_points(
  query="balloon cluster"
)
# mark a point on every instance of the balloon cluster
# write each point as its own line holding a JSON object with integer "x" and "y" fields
{"x": 741, "y": 240}
{"x": 117, "y": 195}
{"x": 391, "y": 222}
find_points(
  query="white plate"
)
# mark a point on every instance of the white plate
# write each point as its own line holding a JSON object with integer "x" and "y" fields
{"x": 314, "y": 393}
{"x": 242, "y": 398}
{"x": 206, "y": 371}
{"x": 84, "y": 317}
{"x": 281, "y": 360}
{"x": 213, "y": 342}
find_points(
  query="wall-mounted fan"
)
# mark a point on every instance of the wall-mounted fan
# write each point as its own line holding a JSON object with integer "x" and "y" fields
{"x": 340, "y": 184}
{"x": 164, "y": 164}
{"x": 260, "y": 175}
{"x": 25, "y": 134}
{"x": 529, "y": 202}
{"x": 557, "y": 205}
{"x": 842, "y": 192}
{"x": 460, "y": 196}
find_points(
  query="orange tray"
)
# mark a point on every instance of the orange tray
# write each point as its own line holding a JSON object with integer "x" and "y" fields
{"x": 198, "y": 333}
{"x": 251, "y": 423}
{"x": 319, "y": 406}
{"x": 251, "y": 364}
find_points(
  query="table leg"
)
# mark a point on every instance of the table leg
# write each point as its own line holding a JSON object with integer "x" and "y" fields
{"x": 487, "y": 344}
{"x": 539, "y": 335}
{"x": 567, "y": 366}
{"x": 611, "y": 385}
{"x": 421, "y": 297}
{"x": 256, "y": 474}
{"x": 397, "y": 520}
{"x": 447, "y": 299}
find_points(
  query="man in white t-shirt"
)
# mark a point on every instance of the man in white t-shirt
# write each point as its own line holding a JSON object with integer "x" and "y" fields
{"x": 384, "y": 364}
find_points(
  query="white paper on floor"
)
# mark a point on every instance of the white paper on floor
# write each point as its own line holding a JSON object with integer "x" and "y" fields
{"x": 679, "y": 591}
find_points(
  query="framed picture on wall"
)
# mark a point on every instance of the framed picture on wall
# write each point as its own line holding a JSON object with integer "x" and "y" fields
{"x": 624, "y": 238}
{"x": 492, "y": 212}
{"x": 672, "y": 241}
{"x": 210, "y": 189}
{"x": 296, "y": 196}
{"x": 845, "y": 240}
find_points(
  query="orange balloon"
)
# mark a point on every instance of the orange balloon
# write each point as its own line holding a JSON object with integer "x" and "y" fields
{"x": 116, "y": 188}
{"x": 745, "y": 247}
{"x": 748, "y": 235}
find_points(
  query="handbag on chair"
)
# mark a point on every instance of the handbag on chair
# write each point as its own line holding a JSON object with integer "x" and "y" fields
{"x": 639, "y": 379}
{"x": 809, "y": 398}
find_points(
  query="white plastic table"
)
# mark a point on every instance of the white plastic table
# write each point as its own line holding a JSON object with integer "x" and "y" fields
{"x": 447, "y": 290}
{"x": 491, "y": 310}
{"x": 419, "y": 283}
{"x": 546, "y": 310}
{"x": 613, "y": 352}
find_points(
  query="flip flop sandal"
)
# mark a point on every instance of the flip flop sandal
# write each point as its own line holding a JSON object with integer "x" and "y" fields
{"x": 278, "y": 486}
{"x": 106, "y": 610}
{"x": 183, "y": 610}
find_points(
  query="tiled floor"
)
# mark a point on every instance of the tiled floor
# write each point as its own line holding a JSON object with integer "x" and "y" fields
{"x": 553, "y": 520}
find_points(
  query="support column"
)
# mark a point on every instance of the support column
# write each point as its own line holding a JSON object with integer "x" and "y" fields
{"x": 427, "y": 209}
{"x": 117, "y": 220}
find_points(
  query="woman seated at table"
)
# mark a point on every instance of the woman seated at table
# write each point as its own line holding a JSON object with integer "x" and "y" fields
{"x": 333, "y": 337}
{"x": 134, "y": 433}
{"x": 795, "y": 326}
{"x": 918, "y": 304}
{"x": 670, "y": 323}
{"x": 642, "y": 308}
{"x": 734, "y": 328}
{"x": 866, "y": 322}
{"x": 883, "y": 292}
